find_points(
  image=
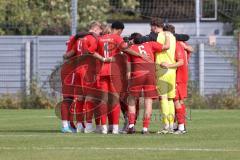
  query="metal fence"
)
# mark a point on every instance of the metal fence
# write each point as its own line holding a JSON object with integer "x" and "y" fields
{"x": 24, "y": 58}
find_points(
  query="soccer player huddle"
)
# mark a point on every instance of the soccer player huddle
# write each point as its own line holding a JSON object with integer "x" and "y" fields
{"x": 105, "y": 74}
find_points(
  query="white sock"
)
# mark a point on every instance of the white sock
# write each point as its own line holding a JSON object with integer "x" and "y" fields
{"x": 145, "y": 129}
{"x": 166, "y": 126}
{"x": 171, "y": 126}
{"x": 89, "y": 125}
{"x": 175, "y": 126}
{"x": 104, "y": 128}
{"x": 131, "y": 126}
{"x": 65, "y": 123}
{"x": 115, "y": 127}
{"x": 181, "y": 127}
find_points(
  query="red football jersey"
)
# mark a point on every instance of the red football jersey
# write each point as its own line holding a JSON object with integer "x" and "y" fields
{"x": 70, "y": 43}
{"x": 86, "y": 44}
{"x": 187, "y": 52}
{"x": 90, "y": 43}
{"x": 109, "y": 45}
{"x": 138, "y": 64}
{"x": 147, "y": 49}
{"x": 182, "y": 71}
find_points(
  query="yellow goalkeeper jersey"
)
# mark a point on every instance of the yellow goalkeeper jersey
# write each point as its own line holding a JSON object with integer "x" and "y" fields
{"x": 167, "y": 56}
{"x": 166, "y": 78}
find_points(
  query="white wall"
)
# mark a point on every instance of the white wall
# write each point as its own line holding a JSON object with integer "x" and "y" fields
{"x": 206, "y": 28}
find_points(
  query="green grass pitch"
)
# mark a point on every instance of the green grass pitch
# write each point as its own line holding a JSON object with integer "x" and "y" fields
{"x": 35, "y": 135}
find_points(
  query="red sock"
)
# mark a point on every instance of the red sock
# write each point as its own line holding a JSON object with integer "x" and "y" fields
{"x": 115, "y": 114}
{"x": 180, "y": 115}
{"x": 146, "y": 122}
{"x": 131, "y": 118}
{"x": 65, "y": 110}
{"x": 103, "y": 119}
{"x": 184, "y": 113}
{"x": 98, "y": 121}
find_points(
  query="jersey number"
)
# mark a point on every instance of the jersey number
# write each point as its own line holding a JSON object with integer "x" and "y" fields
{"x": 141, "y": 50}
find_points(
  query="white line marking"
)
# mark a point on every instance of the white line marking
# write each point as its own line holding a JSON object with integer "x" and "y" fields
{"x": 139, "y": 149}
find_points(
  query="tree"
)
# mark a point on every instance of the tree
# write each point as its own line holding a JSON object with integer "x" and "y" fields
{"x": 90, "y": 10}
{"x": 47, "y": 17}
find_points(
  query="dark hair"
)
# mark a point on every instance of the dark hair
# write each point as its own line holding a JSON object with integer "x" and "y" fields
{"x": 117, "y": 25}
{"x": 136, "y": 37}
{"x": 170, "y": 28}
{"x": 157, "y": 22}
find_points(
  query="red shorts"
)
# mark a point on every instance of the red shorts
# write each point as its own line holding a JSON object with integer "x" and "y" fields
{"x": 68, "y": 81}
{"x": 181, "y": 91}
{"x": 145, "y": 84}
{"x": 84, "y": 82}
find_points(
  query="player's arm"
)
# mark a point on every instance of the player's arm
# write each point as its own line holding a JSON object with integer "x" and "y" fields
{"x": 187, "y": 47}
{"x": 69, "y": 54}
{"x": 179, "y": 63}
{"x": 92, "y": 51}
{"x": 178, "y": 57}
{"x": 128, "y": 70}
{"x": 101, "y": 58}
{"x": 92, "y": 48}
{"x": 134, "y": 53}
{"x": 124, "y": 47}
{"x": 166, "y": 45}
{"x": 158, "y": 47}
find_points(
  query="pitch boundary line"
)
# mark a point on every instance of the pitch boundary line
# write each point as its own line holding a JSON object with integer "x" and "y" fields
{"x": 120, "y": 148}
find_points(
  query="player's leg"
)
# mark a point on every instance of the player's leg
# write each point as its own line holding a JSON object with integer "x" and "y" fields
{"x": 97, "y": 117}
{"x": 114, "y": 106}
{"x": 131, "y": 114}
{"x": 162, "y": 87}
{"x": 165, "y": 113}
{"x": 79, "y": 104}
{"x": 180, "y": 108}
{"x": 180, "y": 115}
{"x": 184, "y": 112}
{"x": 171, "y": 115}
{"x": 79, "y": 99}
{"x": 124, "y": 109}
{"x": 135, "y": 90}
{"x": 147, "y": 114}
{"x": 115, "y": 118}
{"x": 171, "y": 95}
{"x": 89, "y": 115}
{"x": 137, "y": 109}
{"x": 67, "y": 101}
{"x": 65, "y": 114}
{"x": 103, "y": 86}
{"x": 150, "y": 92}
